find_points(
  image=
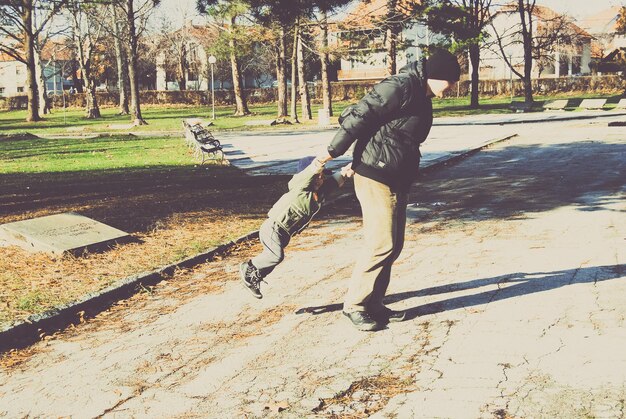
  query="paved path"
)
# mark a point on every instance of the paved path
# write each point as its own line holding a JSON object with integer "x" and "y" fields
{"x": 272, "y": 153}
{"x": 513, "y": 274}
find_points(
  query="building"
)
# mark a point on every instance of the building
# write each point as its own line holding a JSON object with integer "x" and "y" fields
{"x": 606, "y": 44}
{"x": 360, "y": 35}
{"x": 570, "y": 56}
{"x": 57, "y": 65}
{"x": 12, "y": 76}
{"x": 189, "y": 44}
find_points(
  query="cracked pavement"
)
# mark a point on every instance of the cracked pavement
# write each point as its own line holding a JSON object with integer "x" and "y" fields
{"x": 512, "y": 275}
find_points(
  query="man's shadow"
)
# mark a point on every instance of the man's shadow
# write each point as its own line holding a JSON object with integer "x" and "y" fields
{"x": 524, "y": 284}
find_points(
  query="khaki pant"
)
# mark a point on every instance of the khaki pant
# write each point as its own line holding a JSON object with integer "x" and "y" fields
{"x": 384, "y": 221}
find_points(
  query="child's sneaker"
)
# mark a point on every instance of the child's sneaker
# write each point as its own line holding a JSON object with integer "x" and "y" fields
{"x": 251, "y": 278}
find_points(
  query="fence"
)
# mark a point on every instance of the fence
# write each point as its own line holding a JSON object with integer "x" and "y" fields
{"x": 344, "y": 91}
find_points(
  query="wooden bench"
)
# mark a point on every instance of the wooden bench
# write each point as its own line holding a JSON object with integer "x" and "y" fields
{"x": 202, "y": 141}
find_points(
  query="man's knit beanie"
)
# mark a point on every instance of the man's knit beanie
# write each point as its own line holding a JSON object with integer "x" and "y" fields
{"x": 442, "y": 65}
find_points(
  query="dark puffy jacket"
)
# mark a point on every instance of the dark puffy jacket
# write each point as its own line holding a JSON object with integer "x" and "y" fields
{"x": 388, "y": 125}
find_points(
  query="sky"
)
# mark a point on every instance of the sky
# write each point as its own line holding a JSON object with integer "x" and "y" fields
{"x": 177, "y": 11}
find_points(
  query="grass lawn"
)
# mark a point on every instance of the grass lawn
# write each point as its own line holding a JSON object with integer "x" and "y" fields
{"x": 149, "y": 186}
{"x": 168, "y": 119}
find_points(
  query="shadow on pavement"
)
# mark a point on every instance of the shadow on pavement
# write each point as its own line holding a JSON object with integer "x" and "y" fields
{"x": 514, "y": 181}
{"x": 524, "y": 284}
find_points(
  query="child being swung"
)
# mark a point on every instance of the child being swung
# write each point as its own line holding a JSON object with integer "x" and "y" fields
{"x": 308, "y": 190}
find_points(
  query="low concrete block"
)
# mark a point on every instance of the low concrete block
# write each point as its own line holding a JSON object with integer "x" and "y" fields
{"x": 555, "y": 105}
{"x": 56, "y": 234}
{"x": 592, "y": 103}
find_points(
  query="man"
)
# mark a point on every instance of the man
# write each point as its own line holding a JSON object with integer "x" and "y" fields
{"x": 388, "y": 126}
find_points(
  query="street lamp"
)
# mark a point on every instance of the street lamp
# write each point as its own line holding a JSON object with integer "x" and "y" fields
{"x": 212, "y": 61}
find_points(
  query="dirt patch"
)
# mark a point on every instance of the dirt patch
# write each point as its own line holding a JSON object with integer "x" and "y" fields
{"x": 364, "y": 397}
{"x": 171, "y": 214}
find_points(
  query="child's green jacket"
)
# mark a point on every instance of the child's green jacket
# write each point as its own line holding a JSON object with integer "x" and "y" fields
{"x": 295, "y": 209}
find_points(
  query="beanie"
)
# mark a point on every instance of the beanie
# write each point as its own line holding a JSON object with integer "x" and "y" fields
{"x": 442, "y": 65}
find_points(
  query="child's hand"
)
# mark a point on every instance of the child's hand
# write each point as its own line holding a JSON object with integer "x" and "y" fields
{"x": 346, "y": 171}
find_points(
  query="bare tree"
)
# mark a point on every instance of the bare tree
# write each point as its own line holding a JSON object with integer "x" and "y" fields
{"x": 21, "y": 23}
{"x": 237, "y": 41}
{"x": 87, "y": 34}
{"x": 294, "y": 71}
{"x": 117, "y": 30}
{"x": 136, "y": 13}
{"x": 540, "y": 31}
{"x": 305, "y": 98}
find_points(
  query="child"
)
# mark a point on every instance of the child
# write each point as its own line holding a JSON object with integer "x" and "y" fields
{"x": 308, "y": 190}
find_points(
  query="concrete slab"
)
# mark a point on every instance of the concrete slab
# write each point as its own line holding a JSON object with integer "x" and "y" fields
{"x": 555, "y": 105}
{"x": 56, "y": 234}
{"x": 592, "y": 104}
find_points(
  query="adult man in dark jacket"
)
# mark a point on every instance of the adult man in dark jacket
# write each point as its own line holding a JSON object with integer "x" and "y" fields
{"x": 388, "y": 126}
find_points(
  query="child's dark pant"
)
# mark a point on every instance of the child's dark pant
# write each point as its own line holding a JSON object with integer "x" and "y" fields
{"x": 274, "y": 240}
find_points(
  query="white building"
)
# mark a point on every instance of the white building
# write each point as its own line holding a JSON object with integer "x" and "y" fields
{"x": 567, "y": 59}
{"x": 12, "y": 76}
{"x": 56, "y": 66}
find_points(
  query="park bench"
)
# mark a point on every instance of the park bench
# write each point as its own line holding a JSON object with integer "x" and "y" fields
{"x": 202, "y": 141}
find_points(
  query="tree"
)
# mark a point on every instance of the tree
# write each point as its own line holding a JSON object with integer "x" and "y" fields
{"x": 117, "y": 31}
{"x": 280, "y": 16}
{"x": 305, "y": 98}
{"x": 21, "y": 23}
{"x": 229, "y": 13}
{"x": 87, "y": 34}
{"x": 540, "y": 32}
{"x": 465, "y": 21}
{"x": 135, "y": 14}
{"x": 324, "y": 8}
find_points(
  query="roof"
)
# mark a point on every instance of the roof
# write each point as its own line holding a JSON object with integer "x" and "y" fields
{"x": 368, "y": 12}
{"x": 545, "y": 14}
{"x": 603, "y": 22}
{"x": 56, "y": 50}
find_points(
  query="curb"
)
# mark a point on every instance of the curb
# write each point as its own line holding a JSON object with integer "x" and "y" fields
{"x": 27, "y": 332}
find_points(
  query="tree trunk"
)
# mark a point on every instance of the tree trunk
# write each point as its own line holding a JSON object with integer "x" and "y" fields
{"x": 527, "y": 37}
{"x": 122, "y": 65}
{"x": 325, "y": 60}
{"x": 44, "y": 102}
{"x": 474, "y": 52}
{"x": 240, "y": 98}
{"x": 132, "y": 65}
{"x": 391, "y": 37}
{"x": 304, "y": 91}
{"x": 182, "y": 68}
{"x": 29, "y": 57}
{"x": 294, "y": 73}
{"x": 93, "y": 110}
{"x": 281, "y": 64}
{"x": 75, "y": 80}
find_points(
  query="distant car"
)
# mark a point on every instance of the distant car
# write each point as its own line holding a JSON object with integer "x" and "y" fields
{"x": 102, "y": 88}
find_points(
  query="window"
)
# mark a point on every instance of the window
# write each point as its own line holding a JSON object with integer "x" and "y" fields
{"x": 20, "y": 90}
{"x": 1, "y": 91}
{"x": 18, "y": 71}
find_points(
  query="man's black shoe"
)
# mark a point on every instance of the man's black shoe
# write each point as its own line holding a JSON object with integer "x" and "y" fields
{"x": 362, "y": 320}
{"x": 387, "y": 315}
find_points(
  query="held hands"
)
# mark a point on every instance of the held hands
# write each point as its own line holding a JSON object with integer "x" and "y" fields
{"x": 346, "y": 171}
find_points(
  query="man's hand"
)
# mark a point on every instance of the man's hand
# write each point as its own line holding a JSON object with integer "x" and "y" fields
{"x": 323, "y": 158}
{"x": 346, "y": 171}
